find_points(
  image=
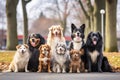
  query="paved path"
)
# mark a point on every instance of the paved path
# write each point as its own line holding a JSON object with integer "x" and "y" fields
{"x": 55, "y": 76}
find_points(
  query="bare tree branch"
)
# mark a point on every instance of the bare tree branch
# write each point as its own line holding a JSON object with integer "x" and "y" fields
{"x": 84, "y": 11}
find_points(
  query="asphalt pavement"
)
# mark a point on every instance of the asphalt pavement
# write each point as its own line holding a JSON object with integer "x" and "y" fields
{"x": 59, "y": 76}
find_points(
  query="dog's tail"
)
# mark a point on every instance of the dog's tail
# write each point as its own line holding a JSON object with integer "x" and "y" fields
{"x": 5, "y": 71}
{"x": 105, "y": 65}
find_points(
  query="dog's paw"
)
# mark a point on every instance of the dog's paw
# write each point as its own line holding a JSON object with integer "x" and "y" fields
{"x": 100, "y": 70}
{"x": 27, "y": 71}
{"x": 63, "y": 71}
{"x": 70, "y": 71}
{"x": 16, "y": 71}
{"x": 49, "y": 71}
{"x": 86, "y": 70}
{"x": 78, "y": 71}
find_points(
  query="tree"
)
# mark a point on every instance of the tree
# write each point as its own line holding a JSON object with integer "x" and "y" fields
{"x": 88, "y": 14}
{"x": 93, "y": 18}
{"x": 24, "y": 3}
{"x": 97, "y": 15}
{"x": 12, "y": 40}
{"x": 110, "y": 38}
{"x": 62, "y": 13}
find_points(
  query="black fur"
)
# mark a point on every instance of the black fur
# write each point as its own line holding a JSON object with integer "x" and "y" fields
{"x": 80, "y": 30}
{"x": 80, "y": 33}
{"x": 34, "y": 59}
{"x": 105, "y": 65}
{"x": 102, "y": 63}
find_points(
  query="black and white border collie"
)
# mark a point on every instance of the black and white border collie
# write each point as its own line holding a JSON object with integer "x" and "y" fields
{"x": 77, "y": 35}
{"x": 94, "y": 51}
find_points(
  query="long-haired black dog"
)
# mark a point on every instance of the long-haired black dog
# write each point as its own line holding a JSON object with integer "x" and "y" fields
{"x": 34, "y": 41}
{"x": 96, "y": 61}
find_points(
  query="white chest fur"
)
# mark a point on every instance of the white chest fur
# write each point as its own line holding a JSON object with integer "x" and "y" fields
{"x": 77, "y": 46}
{"x": 61, "y": 59}
{"x": 94, "y": 55}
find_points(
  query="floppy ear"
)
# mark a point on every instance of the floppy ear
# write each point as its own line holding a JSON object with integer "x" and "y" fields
{"x": 18, "y": 46}
{"x": 71, "y": 52}
{"x": 61, "y": 31}
{"x": 82, "y": 27}
{"x": 50, "y": 29}
{"x": 72, "y": 27}
{"x": 26, "y": 45}
{"x": 99, "y": 35}
{"x": 48, "y": 47}
{"x": 88, "y": 39}
{"x": 40, "y": 47}
{"x": 81, "y": 51}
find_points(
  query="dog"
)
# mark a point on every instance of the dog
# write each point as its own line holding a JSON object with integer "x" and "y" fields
{"x": 60, "y": 58}
{"x": 44, "y": 58}
{"x": 55, "y": 35}
{"x": 77, "y": 35}
{"x": 77, "y": 43}
{"x": 20, "y": 60}
{"x": 94, "y": 51}
{"x": 34, "y": 41}
{"x": 76, "y": 64}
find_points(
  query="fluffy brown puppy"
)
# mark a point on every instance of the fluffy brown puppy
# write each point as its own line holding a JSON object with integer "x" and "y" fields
{"x": 76, "y": 64}
{"x": 44, "y": 58}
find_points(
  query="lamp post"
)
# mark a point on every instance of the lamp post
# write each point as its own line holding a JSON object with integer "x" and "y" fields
{"x": 102, "y": 12}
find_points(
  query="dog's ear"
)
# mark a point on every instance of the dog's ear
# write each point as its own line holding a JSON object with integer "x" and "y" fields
{"x": 72, "y": 27}
{"x": 82, "y": 27}
{"x": 48, "y": 46}
{"x": 100, "y": 36}
{"x": 71, "y": 52}
{"x": 81, "y": 51}
{"x": 88, "y": 39}
{"x": 40, "y": 47}
{"x": 51, "y": 28}
{"x": 26, "y": 45}
{"x": 60, "y": 27}
{"x": 18, "y": 46}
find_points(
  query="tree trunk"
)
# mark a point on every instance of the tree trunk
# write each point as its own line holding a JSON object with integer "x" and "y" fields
{"x": 110, "y": 35}
{"x": 98, "y": 5}
{"x": 12, "y": 40}
{"x": 25, "y": 22}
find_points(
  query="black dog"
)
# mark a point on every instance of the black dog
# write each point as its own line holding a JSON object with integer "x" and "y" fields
{"x": 77, "y": 35}
{"x": 94, "y": 51}
{"x": 34, "y": 41}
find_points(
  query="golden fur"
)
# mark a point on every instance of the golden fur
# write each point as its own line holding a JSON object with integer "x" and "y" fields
{"x": 76, "y": 64}
{"x": 55, "y": 35}
{"x": 20, "y": 60}
{"x": 44, "y": 58}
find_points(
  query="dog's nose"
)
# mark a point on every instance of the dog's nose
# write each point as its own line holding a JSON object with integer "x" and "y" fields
{"x": 78, "y": 34}
{"x": 95, "y": 39}
{"x": 60, "y": 49}
{"x": 22, "y": 51}
{"x": 33, "y": 40}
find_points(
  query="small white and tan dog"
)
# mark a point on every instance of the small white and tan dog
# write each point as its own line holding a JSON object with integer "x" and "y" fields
{"x": 20, "y": 60}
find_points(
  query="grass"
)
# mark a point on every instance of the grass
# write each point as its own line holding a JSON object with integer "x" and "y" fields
{"x": 6, "y": 56}
{"x": 113, "y": 58}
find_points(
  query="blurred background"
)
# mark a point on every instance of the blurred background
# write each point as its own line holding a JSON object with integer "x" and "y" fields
{"x": 19, "y": 18}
